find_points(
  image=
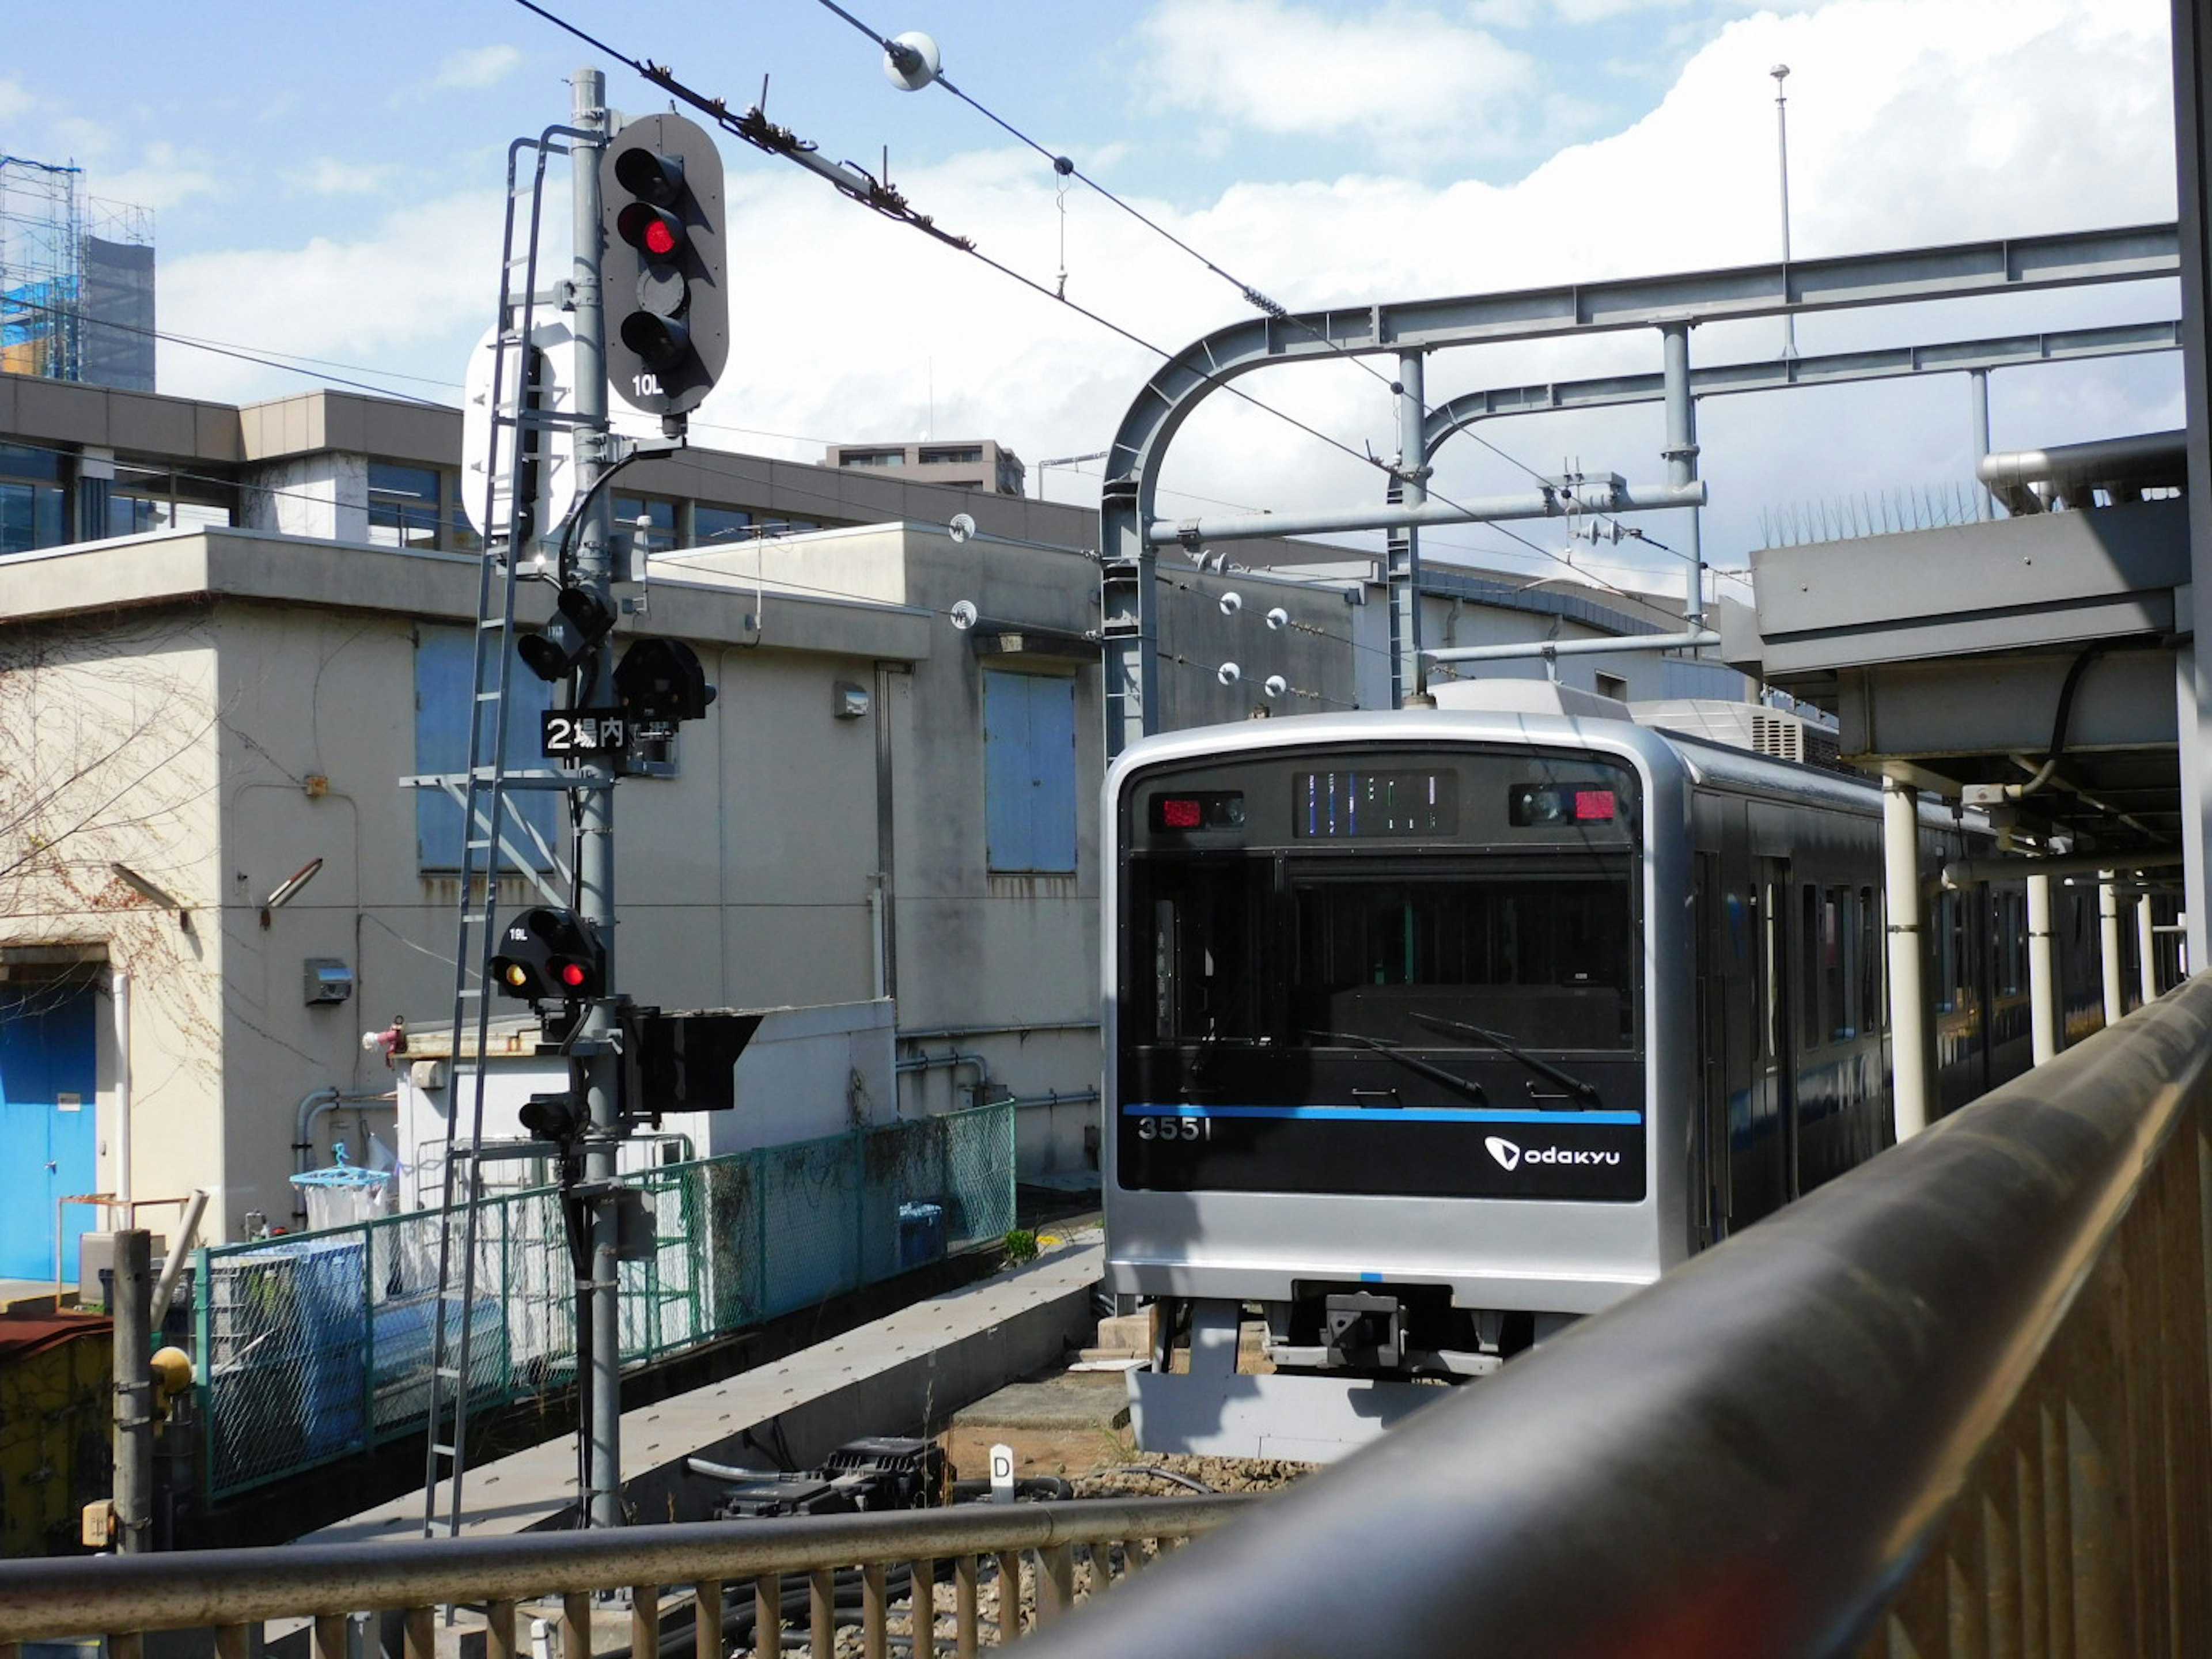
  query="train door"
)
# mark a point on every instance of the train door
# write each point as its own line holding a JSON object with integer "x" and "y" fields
{"x": 1710, "y": 1177}
{"x": 1762, "y": 1175}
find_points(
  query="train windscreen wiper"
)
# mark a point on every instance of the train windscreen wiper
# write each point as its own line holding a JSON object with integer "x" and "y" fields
{"x": 1585, "y": 1093}
{"x": 1464, "y": 1088}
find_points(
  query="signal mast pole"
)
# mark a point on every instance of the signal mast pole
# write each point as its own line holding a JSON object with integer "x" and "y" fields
{"x": 594, "y": 805}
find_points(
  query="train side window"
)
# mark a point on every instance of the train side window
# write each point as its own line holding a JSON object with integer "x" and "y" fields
{"x": 1871, "y": 1015}
{"x": 1810, "y": 1028}
{"x": 1836, "y": 943}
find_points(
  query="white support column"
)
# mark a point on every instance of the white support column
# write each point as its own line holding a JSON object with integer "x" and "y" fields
{"x": 2042, "y": 976}
{"x": 2195, "y": 828}
{"x": 1908, "y": 1005}
{"x": 2147, "y": 948}
{"x": 2108, "y": 945}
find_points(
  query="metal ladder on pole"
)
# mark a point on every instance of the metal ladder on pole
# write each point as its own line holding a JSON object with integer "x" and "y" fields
{"x": 517, "y": 428}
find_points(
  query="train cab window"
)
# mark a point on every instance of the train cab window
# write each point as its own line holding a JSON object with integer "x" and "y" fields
{"x": 1547, "y": 959}
{"x": 1198, "y": 936}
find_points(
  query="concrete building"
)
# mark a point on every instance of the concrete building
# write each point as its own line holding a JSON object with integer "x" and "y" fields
{"x": 226, "y": 636}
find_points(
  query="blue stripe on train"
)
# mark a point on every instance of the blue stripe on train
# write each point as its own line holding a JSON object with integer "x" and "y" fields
{"x": 1386, "y": 1114}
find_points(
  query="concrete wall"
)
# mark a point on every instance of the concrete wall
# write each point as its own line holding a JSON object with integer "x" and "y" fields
{"x": 111, "y": 760}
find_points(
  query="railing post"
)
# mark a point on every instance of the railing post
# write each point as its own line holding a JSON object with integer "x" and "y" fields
{"x": 576, "y": 1625}
{"x": 706, "y": 1619}
{"x": 644, "y": 1621}
{"x": 821, "y": 1614}
{"x": 922, "y": 1622}
{"x": 1010, "y": 1595}
{"x": 965, "y": 1571}
{"x": 768, "y": 1612}
{"x": 499, "y": 1631}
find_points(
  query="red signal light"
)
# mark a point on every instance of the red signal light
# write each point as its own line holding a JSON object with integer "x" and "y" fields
{"x": 1180, "y": 814}
{"x": 570, "y": 974}
{"x": 659, "y": 240}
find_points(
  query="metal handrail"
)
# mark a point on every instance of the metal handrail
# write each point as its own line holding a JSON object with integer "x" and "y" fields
{"x": 1755, "y": 1456}
{"x": 193, "y": 1589}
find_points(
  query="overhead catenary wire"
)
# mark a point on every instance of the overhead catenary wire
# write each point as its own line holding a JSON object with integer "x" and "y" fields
{"x": 1408, "y": 465}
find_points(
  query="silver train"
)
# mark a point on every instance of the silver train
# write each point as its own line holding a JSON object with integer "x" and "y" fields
{"x": 1430, "y": 1032}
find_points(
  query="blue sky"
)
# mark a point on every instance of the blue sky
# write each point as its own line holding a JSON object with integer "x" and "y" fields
{"x": 325, "y": 181}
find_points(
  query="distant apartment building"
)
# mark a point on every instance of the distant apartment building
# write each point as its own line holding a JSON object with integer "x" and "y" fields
{"x": 977, "y": 464}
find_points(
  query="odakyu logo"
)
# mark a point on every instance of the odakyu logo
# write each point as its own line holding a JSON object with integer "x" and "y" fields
{"x": 1511, "y": 1157}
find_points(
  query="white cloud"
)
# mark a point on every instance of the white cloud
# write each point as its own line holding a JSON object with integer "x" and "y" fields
{"x": 1911, "y": 122}
{"x": 411, "y": 295}
{"x": 328, "y": 176}
{"x": 477, "y": 66}
{"x": 163, "y": 176}
{"x": 1398, "y": 78}
{"x": 16, "y": 100}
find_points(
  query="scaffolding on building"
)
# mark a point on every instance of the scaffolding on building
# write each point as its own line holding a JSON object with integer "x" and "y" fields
{"x": 76, "y": 279}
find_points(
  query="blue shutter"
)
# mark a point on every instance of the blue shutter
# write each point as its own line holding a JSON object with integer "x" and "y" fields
{"x": 1028, "y": 743}
{"x": 443, "y": 695}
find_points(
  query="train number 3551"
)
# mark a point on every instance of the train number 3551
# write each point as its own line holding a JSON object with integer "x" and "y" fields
{"x": 1175, "y": 1128}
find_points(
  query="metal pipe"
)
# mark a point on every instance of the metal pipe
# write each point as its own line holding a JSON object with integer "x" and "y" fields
{"x": 917, "y": 1064}
{"x": 1978, "y": 380}
{"x": 2108, "y": 942}
{"x": 1402, "y": 554}
{"x": 955, "y": 1033}
{"x": 1549, "y": 503}
{"x": 1753, "y": 1456}
{"x": 193, "y": 1589}
{"x": 1781, "y": 74}
{"x": 119, "y": 996}
{"x": 1681, "y": 456}
{"x": 180, "y": 1250}
{"x": 2042, "y": 974}
{"x": 1910, "y": 1061}
{"x": 2147, "y": 948}
{"x": 312, "y": 1105}
{"x": 2149, "y": 459}
{"x": 1597, "y": 648}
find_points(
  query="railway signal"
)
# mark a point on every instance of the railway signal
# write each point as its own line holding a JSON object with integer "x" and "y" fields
{"x": 547, "y": 956}
{"x": 581, "y": 620}
{"x": 666, "y": 300}
{"x": 660, "y": 680}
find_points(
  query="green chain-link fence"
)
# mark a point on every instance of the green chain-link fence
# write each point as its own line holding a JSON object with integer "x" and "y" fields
{"x": 317, "y": 1347}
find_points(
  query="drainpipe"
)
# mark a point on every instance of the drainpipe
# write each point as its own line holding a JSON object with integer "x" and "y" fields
{"x": 2042, "y": 975}
{"x": 920, "y": 1063}
{"x": 1908, "y": 1007}
{"x": 119, "y": 989}
{"x": 311, "y": 1106}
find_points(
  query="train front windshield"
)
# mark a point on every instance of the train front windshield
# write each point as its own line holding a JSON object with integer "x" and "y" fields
{"x": 1416, "y": 978}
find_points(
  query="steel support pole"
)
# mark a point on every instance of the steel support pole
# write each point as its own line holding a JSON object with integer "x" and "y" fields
{"x": 131, "y": 1310}
{"x": 2042, "y": 974}
{"x": 1781, "y": 73}
{"x": 1681, "y": 457}
{"x": 1908, "y": 1007}
{"x": 2147, "y": 947}
{"x": 1978, "y": 379}
{"x": 1408, "y": 488}
{"x": 595, "y": 809}
{"x": 2108, "y": 945}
